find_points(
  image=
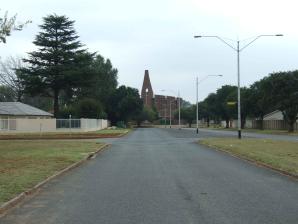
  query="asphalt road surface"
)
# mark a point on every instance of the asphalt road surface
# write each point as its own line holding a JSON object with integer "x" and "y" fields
{"x": 162, "y": 176}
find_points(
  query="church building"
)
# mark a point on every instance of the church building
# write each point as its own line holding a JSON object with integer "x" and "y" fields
{"x": 165, "y": 105}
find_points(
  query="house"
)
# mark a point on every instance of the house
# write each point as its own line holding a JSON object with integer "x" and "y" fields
{"x": 13, "y": 110}
{"x": 275, "y": 115}
{"x": 273, "y": 121}
{"x": 23, "y": 118}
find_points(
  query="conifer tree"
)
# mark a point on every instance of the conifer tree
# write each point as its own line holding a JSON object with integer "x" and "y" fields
{"x": 54, "y": 65}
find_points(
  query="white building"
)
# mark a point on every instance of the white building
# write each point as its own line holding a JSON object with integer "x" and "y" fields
{"x": 19, "y": 117}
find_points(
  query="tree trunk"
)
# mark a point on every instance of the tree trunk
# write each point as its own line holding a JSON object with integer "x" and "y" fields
{"x": 227, "y": 123}
{"x": 56, "y": 103}
{"x": 208, "y": 122}
{"x": 262, "y": 123}
{"x": 19, "y": 97}
{"x": 189, "y": 125}
{"x": 243, "y": 121}
{"x": 291, "y": 126}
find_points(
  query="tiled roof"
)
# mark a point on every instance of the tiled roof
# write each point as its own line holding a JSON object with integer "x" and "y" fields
{"x": 17, "y": 108}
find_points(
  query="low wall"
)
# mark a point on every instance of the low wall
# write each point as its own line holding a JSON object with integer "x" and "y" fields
{"x": 27, "y": 125}
{"x": 234, "y": 124}
{"x": 52, "y": 125}
{"x": 267, "y": 124}
{"x": 93, "y": 124}
{"x": 35, "y": 125}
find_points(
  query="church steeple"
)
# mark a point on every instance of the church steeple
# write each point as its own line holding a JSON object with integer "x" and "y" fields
{"x": 147, "y": 92}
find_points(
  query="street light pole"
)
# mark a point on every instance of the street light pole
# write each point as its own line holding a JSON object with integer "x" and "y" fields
{"x": 179, "y": 107}
{"x": 179, "y": 110}
{"x": 166, "y": 111}
{"x": 238, "y": 50}
{"x": 197, "y": 110}
{"x": 238, "y": 90}
{"x": 170, "y": 113}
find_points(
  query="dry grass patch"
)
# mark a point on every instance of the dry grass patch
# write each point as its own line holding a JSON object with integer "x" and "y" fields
{"x": 23, "y": 164}
{"x": 282, "y": 155}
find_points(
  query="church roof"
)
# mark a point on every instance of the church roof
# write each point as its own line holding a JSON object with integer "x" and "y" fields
{"x": 147, "y": 84}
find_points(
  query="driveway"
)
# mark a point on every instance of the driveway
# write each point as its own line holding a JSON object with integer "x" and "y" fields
{"x": 162, "y": 176}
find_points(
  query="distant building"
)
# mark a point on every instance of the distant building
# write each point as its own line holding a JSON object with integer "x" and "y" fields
{"x": 275, "y": 115}
{"x": 14, "y": 110}
{"x": 147, "y": 91}
{"x": 160, "y": 102}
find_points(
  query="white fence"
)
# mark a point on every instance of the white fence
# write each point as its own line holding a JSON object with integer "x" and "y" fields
{"x": 52, "y": 125}
{"x": 234, "y": 124}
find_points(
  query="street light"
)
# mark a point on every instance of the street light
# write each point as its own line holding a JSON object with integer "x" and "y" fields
{"x": 179, "y": 113}
{"x": 238, "y": 50}
{"x": 179, "y": 107}
{"x": 197, "y": 100}
{"x": 166, "y": 111}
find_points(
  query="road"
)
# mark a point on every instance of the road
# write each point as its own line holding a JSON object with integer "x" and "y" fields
{"x": 162, "y": 176}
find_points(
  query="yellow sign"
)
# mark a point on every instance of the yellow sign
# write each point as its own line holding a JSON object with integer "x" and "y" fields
{"x": 231, "y": 103}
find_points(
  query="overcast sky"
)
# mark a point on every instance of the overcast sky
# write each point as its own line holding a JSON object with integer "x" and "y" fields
{"x": 158, "y": 35}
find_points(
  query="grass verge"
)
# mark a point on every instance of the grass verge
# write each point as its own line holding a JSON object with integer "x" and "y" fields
{"x": 113, "y": 131}
{"x": 258, "y": 131}
{"x": 23, "y": 164}
{"x": 105, "y": 133}
{"x": 281, "y": 155}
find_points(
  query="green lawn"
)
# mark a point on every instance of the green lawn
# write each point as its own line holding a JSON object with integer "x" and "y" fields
{"x": 23, "y": 164}
{"x": 114, "y": 131}
{"x": 282, "y": 155}
{"x": 274, "y": 132}
{"x": 105, "y": 133}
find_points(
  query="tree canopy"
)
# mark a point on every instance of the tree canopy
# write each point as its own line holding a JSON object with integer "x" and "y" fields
{"x": 9, "y": 24}
{"x": 59, "y": 61}
{"x": 284, "y": 94}
{"x": 10, "y": 76}
{"x": 277, "y": 91}
{"x": 124, "y": 104}
{"x": 187, "y": 113}
{"x": 102, "y": 83}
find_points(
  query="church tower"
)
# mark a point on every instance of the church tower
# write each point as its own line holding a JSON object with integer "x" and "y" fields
{"x": 147, "y": 92}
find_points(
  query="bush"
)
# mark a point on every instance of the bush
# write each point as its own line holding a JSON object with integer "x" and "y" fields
{"x": 89, "y": 108}
{"x": 66, "y": 111}
{"x": 121, "y": 124}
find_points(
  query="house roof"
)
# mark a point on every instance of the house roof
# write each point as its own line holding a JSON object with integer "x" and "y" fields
{"x": 17, "y": 109}
{"x": 274, "y": 115}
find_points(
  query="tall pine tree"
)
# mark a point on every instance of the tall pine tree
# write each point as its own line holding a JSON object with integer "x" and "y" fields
{"x": 54, "y": 65}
